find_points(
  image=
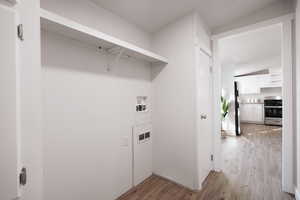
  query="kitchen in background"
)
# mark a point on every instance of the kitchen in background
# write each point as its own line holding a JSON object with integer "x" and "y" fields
{"x": 260, "y": 97}
{"x": 253, "y": 61}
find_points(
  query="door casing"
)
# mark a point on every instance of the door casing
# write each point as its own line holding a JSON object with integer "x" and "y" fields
{"x": 288, "y": 117}
{"x": 203, "y": 155}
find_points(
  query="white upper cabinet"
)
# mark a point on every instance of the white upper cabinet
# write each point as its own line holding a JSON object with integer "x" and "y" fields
{"x": 272, "y": 80}
{"x": 253, "y": 84}
{"x": 249, "y": 84}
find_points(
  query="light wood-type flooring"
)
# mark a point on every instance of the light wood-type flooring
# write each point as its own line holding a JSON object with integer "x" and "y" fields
{"x": 251, "y": 171}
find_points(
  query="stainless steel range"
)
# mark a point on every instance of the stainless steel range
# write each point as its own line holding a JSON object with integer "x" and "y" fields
{"x": 273, "y": 110}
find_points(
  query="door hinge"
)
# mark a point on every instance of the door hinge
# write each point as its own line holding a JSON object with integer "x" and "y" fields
{"x": 212, "y": 157}
{"x": 20, "y": 32}
{"x": 23, "y": 176}
{"x": 211, "y": 69}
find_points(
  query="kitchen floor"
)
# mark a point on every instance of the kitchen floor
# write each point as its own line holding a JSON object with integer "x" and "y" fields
{"x": 251, "y": 171}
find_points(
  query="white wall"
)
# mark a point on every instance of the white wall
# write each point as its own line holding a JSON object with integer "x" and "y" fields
{"x": 88, "y": 114}
{"x": 92, "y": 15}
{"x": 273, "y": 10}
{"x": 298, "y": 95}
{"x": 203, "y": 33}
{"x": 174, "y": 106}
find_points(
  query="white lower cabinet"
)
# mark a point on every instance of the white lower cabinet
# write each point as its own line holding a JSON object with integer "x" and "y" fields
{"x": 252, "y": 113}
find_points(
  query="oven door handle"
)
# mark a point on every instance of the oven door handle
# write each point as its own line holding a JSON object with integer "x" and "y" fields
{"x": 273, "y": 106}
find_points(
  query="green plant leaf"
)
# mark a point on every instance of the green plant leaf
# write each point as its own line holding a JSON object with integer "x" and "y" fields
{"x": 224, "y": 107}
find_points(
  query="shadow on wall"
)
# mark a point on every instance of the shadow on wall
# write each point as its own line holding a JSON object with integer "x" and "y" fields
{"x": 156, "y": 70}
{"x": 67, "y": 54}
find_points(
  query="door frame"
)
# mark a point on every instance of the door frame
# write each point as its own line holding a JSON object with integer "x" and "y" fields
{"x": 12, "y": 189}
{"x": 199, "y": 178}
{"x": 287, "y": 93}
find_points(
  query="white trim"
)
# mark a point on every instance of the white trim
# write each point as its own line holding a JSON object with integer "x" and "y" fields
{"x": 199, "y": 180}
{"x": 297, "y": 194}
{"x": 287, "y": 93}
{"x": 287, "y": 144}
{"x": 277, "y": 20}
{"x": 217, "y": 165}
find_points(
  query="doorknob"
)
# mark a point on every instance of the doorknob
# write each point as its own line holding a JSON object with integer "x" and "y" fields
{"x": 203, "y": 117}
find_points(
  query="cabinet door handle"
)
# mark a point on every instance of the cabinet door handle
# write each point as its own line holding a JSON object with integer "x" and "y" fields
{"x": 276, "y": 81}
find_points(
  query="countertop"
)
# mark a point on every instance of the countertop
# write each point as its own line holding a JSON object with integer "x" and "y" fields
{"x": 251, "y": 102}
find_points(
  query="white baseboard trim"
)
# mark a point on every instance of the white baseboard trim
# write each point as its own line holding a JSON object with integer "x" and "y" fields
{"x": 297, "y": 194}
{"x": 173, "y": 181}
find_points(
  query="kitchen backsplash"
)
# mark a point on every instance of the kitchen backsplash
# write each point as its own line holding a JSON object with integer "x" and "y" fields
{"x": 259, "y": 98}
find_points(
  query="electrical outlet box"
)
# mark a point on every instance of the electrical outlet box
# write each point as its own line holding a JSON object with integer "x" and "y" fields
{"x": 147, "y": 135}
{"x": 141, "y": 104}
{"x": 144, "y": 137}
{"x": 141, "y": 137}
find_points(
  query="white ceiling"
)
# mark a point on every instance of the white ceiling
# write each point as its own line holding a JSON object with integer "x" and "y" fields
{"x": 151, "y": 15}
{"x": 252, "y": 46}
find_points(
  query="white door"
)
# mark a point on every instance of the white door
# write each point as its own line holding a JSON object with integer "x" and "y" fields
{"x": 8, "y": 130}
{"x": 204, "y": 103}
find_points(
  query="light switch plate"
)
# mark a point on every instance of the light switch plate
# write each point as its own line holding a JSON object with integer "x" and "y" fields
{"x": 124, "y": 142}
